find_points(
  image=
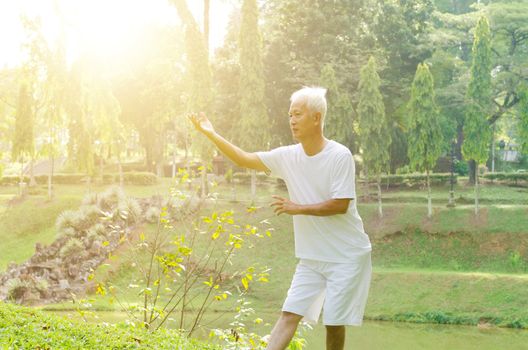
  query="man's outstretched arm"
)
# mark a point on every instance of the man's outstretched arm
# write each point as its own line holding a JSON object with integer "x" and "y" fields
{"x": 236, "y": 154}
{"x": 330, "y": 207}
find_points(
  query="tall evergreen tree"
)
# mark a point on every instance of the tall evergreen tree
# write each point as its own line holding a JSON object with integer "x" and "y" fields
{"x": 252, "y": 128}
{"x": 80, "y": 147}
{"x": 339, "y": 116}
{"x": 23, "y": 143}
{"x": 374, "y": 131}
{"x": 199, "y": 78}
{"x": 425, "y": 136}
{"x": 477, "y": 132}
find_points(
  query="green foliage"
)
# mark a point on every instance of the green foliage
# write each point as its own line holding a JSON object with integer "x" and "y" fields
{"x": 186, "y": 265}
{"x": 412, "y": 180}
{"x": 461, "y": 168}
{"x": 477, "y": 132}
{"x": 512, "y": 178}
{"x": 373, "y": 125}
{"x": 301, "y": 37}
{"x": 24, "y": 123}
{"x": 72, "y": 247}
{"x": 339, "y": 116}
{"x": 425, "y": 137}
{"x": 81, "y": 127}
{"x": 198, "y": 72}
{"x": 251, "y": 129}
{"x": 27, "y": 328}
{"x": 523, "y": 119}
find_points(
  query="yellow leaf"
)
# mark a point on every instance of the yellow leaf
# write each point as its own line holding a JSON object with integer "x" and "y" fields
{"x": 245, "y": 283}
{"x": 142, "y": 236}
{"x": 105, "y": 243}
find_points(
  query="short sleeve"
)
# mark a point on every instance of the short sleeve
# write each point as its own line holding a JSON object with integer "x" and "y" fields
{"x": 343, "y": 177}
{"x": 274, "y": 160}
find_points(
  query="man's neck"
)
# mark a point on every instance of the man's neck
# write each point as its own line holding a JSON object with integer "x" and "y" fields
{"x": 314, "y": 145}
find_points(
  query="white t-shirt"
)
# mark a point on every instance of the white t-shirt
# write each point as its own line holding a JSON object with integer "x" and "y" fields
{"x": 329, "y": 174}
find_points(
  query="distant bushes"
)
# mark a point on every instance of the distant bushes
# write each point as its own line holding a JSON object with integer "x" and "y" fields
{"x": 512, "y": 178}
{"x": 410, "y": 180}
{"x": 129, "y": 178}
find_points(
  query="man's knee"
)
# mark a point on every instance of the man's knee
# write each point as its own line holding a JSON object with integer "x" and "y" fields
{"x": 290, "y": 318}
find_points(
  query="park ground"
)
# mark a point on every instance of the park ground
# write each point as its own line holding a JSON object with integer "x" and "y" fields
{"x": 455, "y": 268}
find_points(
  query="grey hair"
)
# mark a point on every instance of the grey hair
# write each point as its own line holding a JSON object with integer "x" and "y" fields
{"x": 315, "y": 98}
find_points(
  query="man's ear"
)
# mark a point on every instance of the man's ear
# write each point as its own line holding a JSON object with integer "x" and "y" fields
{"x": 317, "y": 118}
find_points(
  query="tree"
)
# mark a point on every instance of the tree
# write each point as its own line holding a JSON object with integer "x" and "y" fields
{"x": 374, "y": 131}
{"x": 339, "y": 116}
{"x": 477, "y": 133}
{"x": 425, "y": 137}
{"x": 23, "y": 137}
{"x": 252, "y": 128}
{"x": 300, "y": 40}
{"x": 523, "y": 119}
{"x": 81, "y": 127}
{"x": 198, "y": 77}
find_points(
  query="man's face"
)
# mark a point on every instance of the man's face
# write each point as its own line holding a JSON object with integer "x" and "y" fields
{"x": 303, "y": 122}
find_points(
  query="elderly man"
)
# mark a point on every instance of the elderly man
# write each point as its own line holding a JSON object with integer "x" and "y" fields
{"x": 334, "y": 269}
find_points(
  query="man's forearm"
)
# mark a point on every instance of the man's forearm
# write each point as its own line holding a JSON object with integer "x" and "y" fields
{"x": 326, "y": 208}
{"x": 228, "y": 149}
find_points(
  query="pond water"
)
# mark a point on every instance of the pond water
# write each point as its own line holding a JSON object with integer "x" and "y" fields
{"x": 409, "y": 336}
{"x": 395, "y": 335}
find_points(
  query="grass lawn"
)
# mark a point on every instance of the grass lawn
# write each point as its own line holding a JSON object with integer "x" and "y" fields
{"x": 453, "y": 268}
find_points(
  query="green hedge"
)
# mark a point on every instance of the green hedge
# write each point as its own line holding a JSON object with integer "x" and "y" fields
{"x": 414, "y": 179}
{"x": 130, "y": 178}
{"x": 27, "y": 328}
{"x": 507, "y": 177}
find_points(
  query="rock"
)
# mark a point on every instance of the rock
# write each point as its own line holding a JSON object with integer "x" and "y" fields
{"x": 64, "y": 284}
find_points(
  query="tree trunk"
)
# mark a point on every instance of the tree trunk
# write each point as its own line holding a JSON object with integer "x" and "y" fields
{"x": 253, "y": 185}
{"x": 101, "y": 168}
{"x": 233, "y": 190}
{"x": 159, "y": 169}
{"x": 204, "y": 182}
{"x": 476, "y": 191}
{"x": 472, "y": 171}
{"x": 21, "y": 183}
{"x": 120, "y": 167}
{"x": 32, "y": 181}
{"x": 50, "y": 177}
{"x": 493, "y": 150}
{"x": 429, "y": 200}
{"x": 174, "y": 164}
{"x": 380, "y": 208}
{"x": 367, "y": 189}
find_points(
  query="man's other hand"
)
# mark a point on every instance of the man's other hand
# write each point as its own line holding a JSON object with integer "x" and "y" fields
{"x": 284, "y": 205}
{"x": 201, "y": 123}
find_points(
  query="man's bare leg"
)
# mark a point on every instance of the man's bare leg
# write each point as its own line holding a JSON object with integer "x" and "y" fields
{"x": 284, "y": 330}
{"x": 335, "y": 337}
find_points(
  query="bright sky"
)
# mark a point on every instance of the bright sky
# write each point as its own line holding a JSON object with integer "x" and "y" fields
{"x": 100, "y": 24}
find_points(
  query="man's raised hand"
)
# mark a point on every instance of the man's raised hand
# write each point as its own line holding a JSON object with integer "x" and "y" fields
{"x": 201, "y": 123}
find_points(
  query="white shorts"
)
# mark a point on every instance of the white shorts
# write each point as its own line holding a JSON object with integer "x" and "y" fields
{"x": 340, "y": 289}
